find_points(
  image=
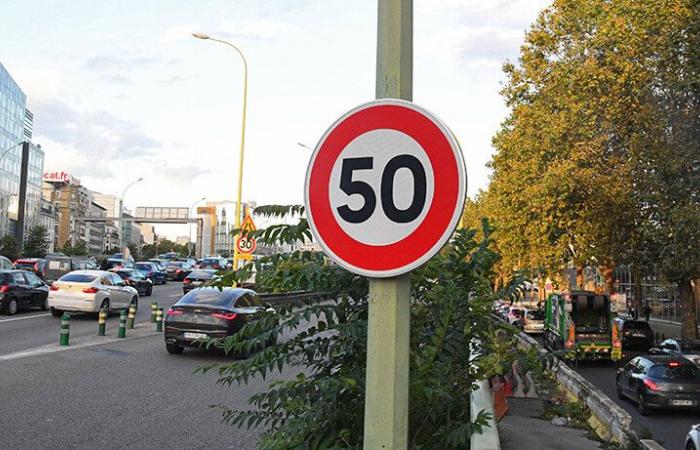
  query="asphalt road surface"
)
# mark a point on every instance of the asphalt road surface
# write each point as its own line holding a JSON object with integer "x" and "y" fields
{"x": 109, "y": 393}
{"x": 669, "y": 428}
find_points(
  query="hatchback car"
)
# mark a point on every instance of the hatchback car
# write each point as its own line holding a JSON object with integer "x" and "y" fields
{"x": 35, "y": 265}
{"x": 688, "y": 348}
{"x": 532, "y": 321}
{"x": 137, "y": 280}
{"x": 660, "y": 382}
{"x": 635, "y": 334}
{"x": 210, "y": 313}
{"x": 153, "y": 271}
{"x": 177, "y": 270}
{"x": 213, "y": 263}
{"x": 692, "y": 439}
{"x": 20, "y": 289}
{"x": 198, "y": 278}
{"x": 89, "y": 291}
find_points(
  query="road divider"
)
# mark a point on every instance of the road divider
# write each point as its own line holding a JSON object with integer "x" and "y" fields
{"x": 132, "y": 316}
{"x": 159, "y": 320}
{"x": 154, "y": 306}
{"x": 64, "y": 332}
{"x": 102, "y": 322}
{"x": 122, "y": 324}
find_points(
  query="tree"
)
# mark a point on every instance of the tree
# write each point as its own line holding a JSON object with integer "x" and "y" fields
{"x": 79, "y": 249}
{"x": 37, "y": 242}
{"x": 67, "y": 248}
{"x": 323, "y": 406}
{"x": 8, "y": 247}
{"x": 135, "y": 251}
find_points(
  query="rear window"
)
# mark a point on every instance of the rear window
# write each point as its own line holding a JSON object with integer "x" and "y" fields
{"x": 78, "y": 278}
{"x": 144, "y": 267}
{"x": 124, "y": 273}
{"x": 207, "y": 297}
{"x": 671, "y": 371}
{"x": 173, "y": 264}
{"x": 535, "y": 315}
{"x": 630, "y": 325}
{"x": 24, "y": 265}
{"x": 201, "y": 274}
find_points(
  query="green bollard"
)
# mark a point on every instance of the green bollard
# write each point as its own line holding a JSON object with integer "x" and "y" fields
{"x": 122, "y": 324}
{"x": 132, "y": 316}
{"x": 65, "y": 329}
{"x": 159, "y": 320}
{"x": 102, "y": 322}
{"x": 154, "y": 307}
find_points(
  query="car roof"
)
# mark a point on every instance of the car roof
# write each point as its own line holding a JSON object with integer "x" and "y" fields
{"x": 229, "y": 292}
{"x": 661, "y": 359}
{"x": 12, "y": 270}
{"x": 89, "y": 272}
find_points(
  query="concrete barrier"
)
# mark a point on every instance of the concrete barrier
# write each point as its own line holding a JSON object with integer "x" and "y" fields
{"x": 610, "y": 422}
{"x": 481, "y": 399}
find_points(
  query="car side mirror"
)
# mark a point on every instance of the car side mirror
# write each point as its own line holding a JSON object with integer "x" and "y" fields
{"x": 654, "y": 351}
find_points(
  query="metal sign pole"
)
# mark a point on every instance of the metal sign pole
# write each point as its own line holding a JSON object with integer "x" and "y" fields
{"x": 388, "y": 332}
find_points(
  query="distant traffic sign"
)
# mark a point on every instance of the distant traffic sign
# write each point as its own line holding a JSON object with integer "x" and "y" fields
{"x": 245, "y": 244}
{"x": 385, "y": 188}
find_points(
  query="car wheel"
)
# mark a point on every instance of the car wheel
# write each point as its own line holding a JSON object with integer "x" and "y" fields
{"x": 45, "y": 304}
{"x": 149, "y": 292}
{"x": 690, "y": 446}
{"x": 173, "y": 349}
{"x": 641, "y": 405}
{"x": 56, "y": 312}
{"x": 105, "y": 306}
{"x": 11, "y": 308}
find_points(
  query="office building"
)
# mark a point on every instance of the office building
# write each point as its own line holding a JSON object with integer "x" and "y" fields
{"x": 216, "y": 235}
{"x": 72, "y": 202}
{"x": 95, "y": 231}
{"x": 16, "y": 126}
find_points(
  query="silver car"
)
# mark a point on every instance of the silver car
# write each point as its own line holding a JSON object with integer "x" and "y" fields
{"x": 692, "y": 440}
{"x": 89, "y": 291}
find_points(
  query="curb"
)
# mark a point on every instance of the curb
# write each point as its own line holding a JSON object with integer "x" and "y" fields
{"x": 610, "y": 422}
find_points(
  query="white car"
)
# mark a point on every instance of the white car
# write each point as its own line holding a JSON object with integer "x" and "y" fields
{"x": 89, "y": 291}
{"x": 692, "y": 440}
{"x": 533, "y": 321}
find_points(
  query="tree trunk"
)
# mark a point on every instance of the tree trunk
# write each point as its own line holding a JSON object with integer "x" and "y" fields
{"x": 689, "y": 323}
{"x": 637, "y": 277}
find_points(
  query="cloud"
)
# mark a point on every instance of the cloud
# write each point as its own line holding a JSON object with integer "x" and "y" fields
{"x": 123, "y": 62}
{"x": 257, "y": 29}
{"x": 116, "y": 79}
{"x": 96, "y": 133}
{"x": 177, "y": 32}
{"x": 488, "y": 44}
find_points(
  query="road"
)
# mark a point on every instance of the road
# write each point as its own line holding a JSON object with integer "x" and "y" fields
{"x": 667, "y": 427}
{"x": 107, "y": 393}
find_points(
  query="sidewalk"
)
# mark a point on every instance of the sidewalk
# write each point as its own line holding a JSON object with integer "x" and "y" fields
{"x": 521, "y": 429}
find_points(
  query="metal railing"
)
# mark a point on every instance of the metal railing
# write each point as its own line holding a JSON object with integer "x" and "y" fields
{"x": 663, "y": 298}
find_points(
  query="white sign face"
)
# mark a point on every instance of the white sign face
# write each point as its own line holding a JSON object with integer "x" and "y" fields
{"x": 385, "y": 188}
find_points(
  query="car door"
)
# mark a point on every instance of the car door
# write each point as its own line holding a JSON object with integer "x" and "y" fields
{"x": 37, "y": 289}
{"x": 123, "y": 295}
{"x": 637, "y": 377}
{"x": 625, "y": 375}
{"x": 23, "y": 295}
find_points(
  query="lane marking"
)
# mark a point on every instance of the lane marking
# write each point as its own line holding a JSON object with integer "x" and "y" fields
{"x": 25, "y": 317}
{"x": 53, "y": 348}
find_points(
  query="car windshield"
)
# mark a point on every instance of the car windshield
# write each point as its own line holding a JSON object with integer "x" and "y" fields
{"x": 173, "y": 264}
{"x": 124, "y": 273}
{"x": 208, "y": 297}
{"x": 24, "y": 265}
{"x": 675, "y": 371}
{"x": 78, "y": 278}
{"x": 537, "y": 314}
{"x": 634, "y": 325}
{"x": 144, "y": 267}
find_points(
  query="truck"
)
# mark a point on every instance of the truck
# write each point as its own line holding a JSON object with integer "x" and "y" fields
{"x": 580, "y": 325}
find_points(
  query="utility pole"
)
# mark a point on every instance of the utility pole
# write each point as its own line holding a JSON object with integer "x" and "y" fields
{"x": 388, "y": 332}
{"x": 22, "y": 207}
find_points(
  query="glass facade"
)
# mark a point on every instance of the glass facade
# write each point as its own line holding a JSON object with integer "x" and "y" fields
{"x": 16, "y": 124}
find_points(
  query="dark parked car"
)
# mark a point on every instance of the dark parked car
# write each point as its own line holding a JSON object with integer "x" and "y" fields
{"x": 177, "y": 270}
{"x": 660, "y": 382}
{"x": 210, "y": 312}
{"x": 58, "y": 265}
{"x": 635, "y": 334}
{"x": 153, "y": 271}
{"x": 20, "y": 289}
{"x": 136, "y": 279}
{"x": 34, "y": 265}
{"x": 114, "y": 263}
{"x": 213, "y": 263}
{"x": 197, "y": 278}
{"x": 688, "y": 348}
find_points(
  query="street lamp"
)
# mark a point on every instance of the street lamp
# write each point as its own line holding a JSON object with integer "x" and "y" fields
{"x": 189, "y": 214}
{"x": 10, "y": 148}
{"x": 121, "y": 207}
{"x": 240, "y": 163}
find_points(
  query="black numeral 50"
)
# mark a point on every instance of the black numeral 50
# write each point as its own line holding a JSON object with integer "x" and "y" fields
{"x": 394, "y": 214}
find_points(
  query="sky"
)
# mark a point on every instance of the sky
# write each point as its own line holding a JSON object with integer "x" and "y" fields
{"x": 120, "y": 90}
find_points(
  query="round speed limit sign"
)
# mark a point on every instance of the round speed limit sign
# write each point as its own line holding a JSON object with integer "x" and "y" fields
{"x": 245, "y": 244}
{"x": 385, "y": 188}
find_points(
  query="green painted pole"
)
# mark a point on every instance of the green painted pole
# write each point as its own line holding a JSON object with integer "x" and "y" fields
{"x": 64, "y": 333}
{"x": 154, "y": 307}
{"x": 132, "y": 316}
{"x": 122, "y": 324}
{"x": 102, "y": 322}
{"x": 388, "y": 323}
{"x": 159, "y": 320}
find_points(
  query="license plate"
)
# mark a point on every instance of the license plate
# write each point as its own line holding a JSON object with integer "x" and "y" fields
{"x": 196, "y": 283}
{"x": 682, "y": 402}
{"x": 639, "y": 335}
{"x": 188, "y": 335}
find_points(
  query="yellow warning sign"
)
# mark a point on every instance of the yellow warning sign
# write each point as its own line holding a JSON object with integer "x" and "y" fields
{"x": 248, "y": 224}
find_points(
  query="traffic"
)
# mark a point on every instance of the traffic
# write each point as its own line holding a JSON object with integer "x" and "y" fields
{"x": 628, "y": 358}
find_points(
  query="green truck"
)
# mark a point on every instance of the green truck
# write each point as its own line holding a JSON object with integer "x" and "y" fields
{"x": 580, "y": 324}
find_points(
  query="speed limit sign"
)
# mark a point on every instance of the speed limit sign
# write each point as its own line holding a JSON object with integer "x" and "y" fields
{"x": 385, "y": 188}
{"x": 245, "y": 244}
